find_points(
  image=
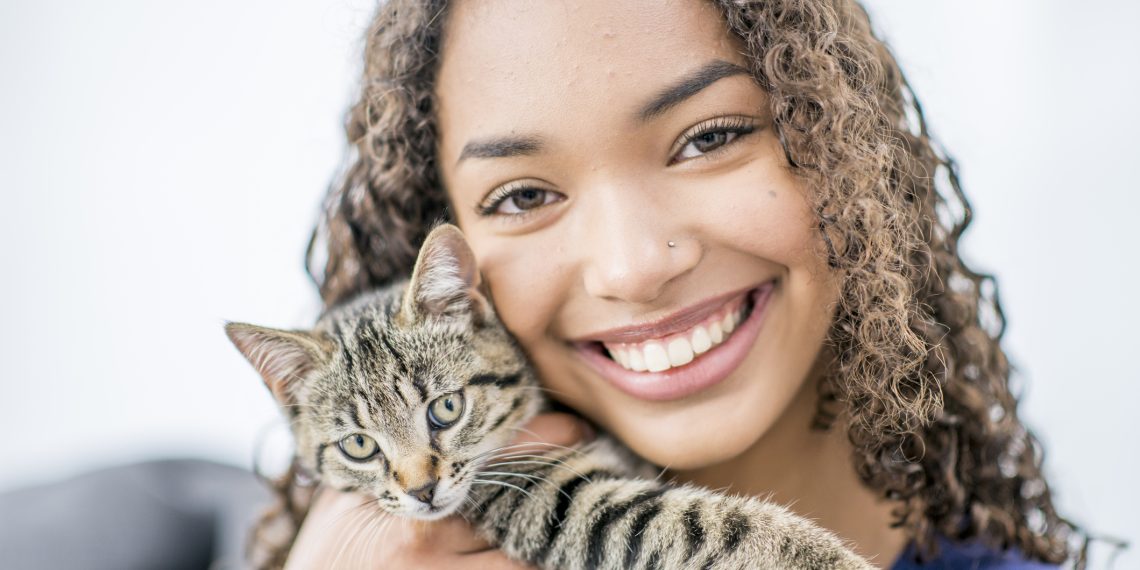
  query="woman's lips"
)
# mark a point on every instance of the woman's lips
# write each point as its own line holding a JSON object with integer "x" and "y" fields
{"x": 703, "y": 371}
{"x": 678, "y": 349}
{"x": 670, "y": 324}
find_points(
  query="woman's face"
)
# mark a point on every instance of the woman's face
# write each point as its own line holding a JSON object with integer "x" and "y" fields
{"x": 600, "y": 227}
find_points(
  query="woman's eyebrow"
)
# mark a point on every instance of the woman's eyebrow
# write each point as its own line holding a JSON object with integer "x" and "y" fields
{"x": 499, "y": 147}
{"x": 669, "y": 97}
{"x": 688, "y": 86}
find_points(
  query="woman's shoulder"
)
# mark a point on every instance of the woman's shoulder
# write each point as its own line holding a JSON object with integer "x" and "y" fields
{"x": 969, "y": 555}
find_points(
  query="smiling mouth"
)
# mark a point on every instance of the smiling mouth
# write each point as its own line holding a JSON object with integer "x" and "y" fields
{"x": 686, "y": 353}
{"x": 679, "y": 349}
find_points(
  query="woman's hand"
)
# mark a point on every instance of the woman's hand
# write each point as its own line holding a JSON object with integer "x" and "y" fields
{"x": 336, "y": 533}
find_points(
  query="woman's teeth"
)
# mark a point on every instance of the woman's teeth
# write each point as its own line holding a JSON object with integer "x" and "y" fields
{"x": 678, "y": 349}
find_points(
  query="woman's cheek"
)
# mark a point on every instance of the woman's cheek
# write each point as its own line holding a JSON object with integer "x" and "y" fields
{"x": 526, "y": 277}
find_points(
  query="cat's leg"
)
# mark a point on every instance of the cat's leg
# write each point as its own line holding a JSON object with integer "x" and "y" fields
{"x": 594, "y": 508}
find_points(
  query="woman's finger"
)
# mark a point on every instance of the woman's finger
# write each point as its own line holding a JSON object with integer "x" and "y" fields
{"x": 491, "y": 560}
{"x": 344, "y": 528}
{"x": 325, "y": 534}
{"x": 452, "y": 533}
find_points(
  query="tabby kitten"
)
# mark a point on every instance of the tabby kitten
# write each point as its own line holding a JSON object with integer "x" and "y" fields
{"x": 411, "y": 394}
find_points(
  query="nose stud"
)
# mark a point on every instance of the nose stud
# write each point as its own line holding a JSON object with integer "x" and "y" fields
{"x": 672, "y": 244}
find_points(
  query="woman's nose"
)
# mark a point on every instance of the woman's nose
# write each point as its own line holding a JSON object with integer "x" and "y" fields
{"x": 627, "y": 251}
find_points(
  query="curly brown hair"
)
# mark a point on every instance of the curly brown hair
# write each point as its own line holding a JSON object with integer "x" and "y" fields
{"x": 917, "y": 333}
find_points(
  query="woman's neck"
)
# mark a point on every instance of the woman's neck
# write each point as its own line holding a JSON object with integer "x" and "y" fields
{"x": 810, "y": 472}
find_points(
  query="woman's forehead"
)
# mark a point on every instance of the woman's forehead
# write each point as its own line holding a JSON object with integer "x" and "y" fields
{"x": 519, "y": 66}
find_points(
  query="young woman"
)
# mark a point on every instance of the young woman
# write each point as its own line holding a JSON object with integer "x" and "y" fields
{"x": 625, "y": 170}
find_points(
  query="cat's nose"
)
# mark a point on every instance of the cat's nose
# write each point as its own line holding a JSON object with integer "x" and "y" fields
{"x": 424, "y": 493}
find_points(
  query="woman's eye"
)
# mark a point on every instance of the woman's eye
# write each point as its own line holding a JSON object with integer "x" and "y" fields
{"x": 707, "y": 142}
{"x": 713, "y": 138}
{"x": 520, "y": 200}
{"x": 359, "y": 447}
{"x": 445, "y": 410}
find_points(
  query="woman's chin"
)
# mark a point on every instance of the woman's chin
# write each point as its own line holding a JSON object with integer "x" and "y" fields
{"x": 683, "y": 445}
{"x": 717, "y": 430}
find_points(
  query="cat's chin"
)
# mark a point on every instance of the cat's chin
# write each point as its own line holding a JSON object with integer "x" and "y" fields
{"x": 432, "y": 513}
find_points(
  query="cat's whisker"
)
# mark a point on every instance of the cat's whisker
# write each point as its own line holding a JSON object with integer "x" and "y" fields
{"x": 513, "y": 474}
{"x": 500, "y": 483}
{"x": 476, "y": 466}
{"x": 553, "y": 464}
{"x": 528, "y": 446}
{"x": 525, "y": 443}
{"x": 367, "y": 535}
{"x": 385, "y": 525}
{"x": 460, "y": 512}
{"x": 521, "y": 454}
{"x": 526, "y": 458}
{"x": 553, "y": 445}
{"x": 546, "y": 458}
{"x": 532, "y": 478}
{"x": 505, "y": 448}
{"x": 378, "y": 526}
{"x": 356, "y": 529}
{"x": 381, "y": 518}
{"x": 467, "y": 499}
{"x": 369, "y": 502}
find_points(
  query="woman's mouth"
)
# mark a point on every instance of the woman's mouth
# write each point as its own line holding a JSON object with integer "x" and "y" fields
{"x": 713, "y": 343}
{"x": 680, "y": 349}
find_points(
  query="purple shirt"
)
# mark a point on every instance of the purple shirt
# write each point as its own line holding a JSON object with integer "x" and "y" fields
{"x": 969, "y": 556}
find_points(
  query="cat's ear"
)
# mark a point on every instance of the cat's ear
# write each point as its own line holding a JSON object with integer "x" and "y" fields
{"x": 445, "y": 281}
{"x": 283, "y": 358}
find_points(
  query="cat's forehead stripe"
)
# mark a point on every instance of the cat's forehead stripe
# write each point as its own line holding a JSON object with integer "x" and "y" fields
{"x": 504, "y": 381}
{"x": 400, "y": 394}
{"x": 355, "y": 411}
{"x": 349, "y": 362}
{"x": 395, "y": 355}
{"x": 418, "y": 383}
{"x": 370, "y": 403}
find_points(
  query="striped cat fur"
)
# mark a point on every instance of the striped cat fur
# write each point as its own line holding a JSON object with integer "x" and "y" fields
{"x": 411, "y": 393}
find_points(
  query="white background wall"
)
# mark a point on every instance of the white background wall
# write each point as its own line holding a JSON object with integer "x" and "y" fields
{"x": 161, "y": 165}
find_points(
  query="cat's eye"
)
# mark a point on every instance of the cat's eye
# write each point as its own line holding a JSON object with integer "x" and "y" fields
{"x": 445, "y": 410}
{"x": 359, "y": 447}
